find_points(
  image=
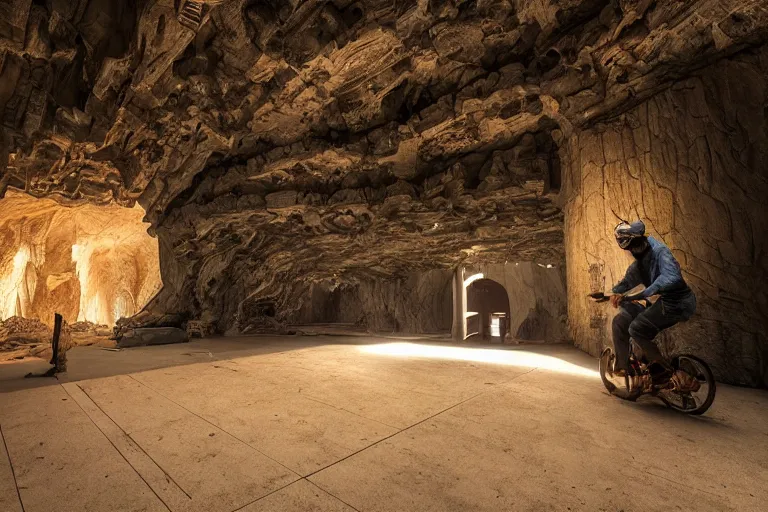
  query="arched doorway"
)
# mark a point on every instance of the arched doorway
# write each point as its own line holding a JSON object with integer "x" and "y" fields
{"x": 487, "y": 316}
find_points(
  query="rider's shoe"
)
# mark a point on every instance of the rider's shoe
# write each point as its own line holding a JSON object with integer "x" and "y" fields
{"x": 660, "y": 374}
{"x": 685, "y": 382}
{"x": 618, "y": 378}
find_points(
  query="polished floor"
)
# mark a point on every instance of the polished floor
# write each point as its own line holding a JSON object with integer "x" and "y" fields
{"x": 367, "y": 424}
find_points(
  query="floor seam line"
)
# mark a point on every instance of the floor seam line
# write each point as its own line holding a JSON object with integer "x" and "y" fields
{"x": 347, "y": 411}
{"x": 414, "y": 425}
{"x": 218, "y": 427}
{"x": 303, "y": 478}
{"x": 118, "y": 451}
{"x": 269, "y": 494}
{"x": 134, "y": 441}
{"x": 332, "y": 495}
{"x": 13, "y": 471}
{"x": 683, "y": 485}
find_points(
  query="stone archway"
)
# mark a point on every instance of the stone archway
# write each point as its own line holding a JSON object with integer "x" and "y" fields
{"x": 488, "y": 311}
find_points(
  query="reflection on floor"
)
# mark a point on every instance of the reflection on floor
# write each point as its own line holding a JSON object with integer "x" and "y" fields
{"x": 368, "y": 424}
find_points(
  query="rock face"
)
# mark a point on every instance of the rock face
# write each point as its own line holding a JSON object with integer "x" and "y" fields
{"x": 92, "y": 263}
{"x": 691, "y": 163}
{"x": 416, "y": 303}
{"x": 281, "y": 145}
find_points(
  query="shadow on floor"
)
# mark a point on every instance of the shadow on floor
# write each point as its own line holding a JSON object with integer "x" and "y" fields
{"x": 94, "y": 362}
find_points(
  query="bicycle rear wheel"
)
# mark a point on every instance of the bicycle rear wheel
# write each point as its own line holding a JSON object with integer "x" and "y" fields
{"x": 607, "y": 359}
{"x": 625, "y": 391}
{"x": 692, "y": 388}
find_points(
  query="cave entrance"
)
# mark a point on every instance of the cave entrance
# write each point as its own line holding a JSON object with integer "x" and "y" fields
{"x": 488, "y": 313}
{"x": 91, "y": 264}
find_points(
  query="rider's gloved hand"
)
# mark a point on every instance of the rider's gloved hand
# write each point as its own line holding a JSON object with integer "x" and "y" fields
{"x": 630, "y": 298}
{"x": 616, "y": 300}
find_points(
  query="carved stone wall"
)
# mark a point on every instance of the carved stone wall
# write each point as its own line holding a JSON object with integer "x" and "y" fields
{"x": 691, "y": 162}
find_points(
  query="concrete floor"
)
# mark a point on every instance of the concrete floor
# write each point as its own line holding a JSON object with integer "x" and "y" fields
{"x": 368, "y": 424}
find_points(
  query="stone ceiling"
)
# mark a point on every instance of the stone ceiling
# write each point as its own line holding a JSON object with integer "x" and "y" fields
{"x": 283, "y": 141}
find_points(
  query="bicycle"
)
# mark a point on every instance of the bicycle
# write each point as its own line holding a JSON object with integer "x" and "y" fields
{"x": 690, "y": 389}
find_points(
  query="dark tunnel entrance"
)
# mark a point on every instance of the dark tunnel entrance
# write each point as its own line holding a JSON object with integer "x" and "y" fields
{"x": 488, "y": 311}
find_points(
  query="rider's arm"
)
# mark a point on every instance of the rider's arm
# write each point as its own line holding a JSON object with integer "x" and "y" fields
{"x": 670, "y": 275}
{"x": 631, "y": 279}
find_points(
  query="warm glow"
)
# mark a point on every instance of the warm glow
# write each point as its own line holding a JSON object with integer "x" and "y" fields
{"x": 109, "y": 269}
{"x": 495, "y": 327}
{"x": 92, "y": 302}
{"x": 471, "y": 279}
{"x": 21, "y": 259}
{"x": 11, "y": 285}
{"x": 511, "y": 357}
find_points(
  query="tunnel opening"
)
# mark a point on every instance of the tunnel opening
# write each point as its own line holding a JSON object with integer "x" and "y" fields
{"x": 488, "y": 312}
{"x": 512, "y": 302}
{"x": 91, "y": 264}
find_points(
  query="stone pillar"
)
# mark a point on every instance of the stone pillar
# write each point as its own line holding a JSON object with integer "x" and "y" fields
{"x": 459, "y": 305}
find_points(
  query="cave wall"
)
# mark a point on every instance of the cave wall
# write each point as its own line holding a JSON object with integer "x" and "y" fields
{"x": 277, "y": 144}
{"x": 86, "y": 262}
{"x": 418, "y": 302}
{"x": 537, "y": 298}
{"x": 691, "y": 162}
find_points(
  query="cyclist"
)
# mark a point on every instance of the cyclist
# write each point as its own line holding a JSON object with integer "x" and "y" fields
{"x": 656, "y": 268}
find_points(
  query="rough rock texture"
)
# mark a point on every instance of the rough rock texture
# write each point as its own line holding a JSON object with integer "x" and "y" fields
{"x": 692, "y": 163}
{"x": 537, "y": 299}
{"x": 416, "y": 303}
{"x": 89, "y": 263}
{"x": 276, "y": 144}
{"x": 144, "y": 337}
{"x": 19, "y": 337}
{"x": 23, "y": 337}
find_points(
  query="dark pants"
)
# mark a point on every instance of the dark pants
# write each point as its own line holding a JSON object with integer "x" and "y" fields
{"x": 643, "y": 324}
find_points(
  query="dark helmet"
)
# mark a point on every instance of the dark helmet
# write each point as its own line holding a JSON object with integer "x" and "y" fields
{"x": 626, "y": 232}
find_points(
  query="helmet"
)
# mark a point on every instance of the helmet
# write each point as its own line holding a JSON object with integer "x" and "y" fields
{"x": 626, "y": 232}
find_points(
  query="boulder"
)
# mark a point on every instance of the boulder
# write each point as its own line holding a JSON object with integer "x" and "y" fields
{"x": 143, "y": 337}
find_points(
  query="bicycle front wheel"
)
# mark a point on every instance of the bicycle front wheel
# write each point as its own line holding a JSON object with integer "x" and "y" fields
{"x": 692, "y": 388}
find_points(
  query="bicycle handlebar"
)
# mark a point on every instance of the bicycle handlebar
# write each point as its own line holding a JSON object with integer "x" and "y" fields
{"x": 602, "y": 297}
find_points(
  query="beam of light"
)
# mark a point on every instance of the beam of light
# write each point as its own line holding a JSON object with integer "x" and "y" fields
{"x": 10, "y": 285}
{"x": 495, "y": 327}
{"x": 471, "y": 279}
{"x": 91, "y": 302}
{"x": 514, "y": 357}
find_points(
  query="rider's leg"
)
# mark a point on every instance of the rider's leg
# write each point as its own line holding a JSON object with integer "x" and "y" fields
{"x": 621, "y": 322}
{"x": 646, "y": 326}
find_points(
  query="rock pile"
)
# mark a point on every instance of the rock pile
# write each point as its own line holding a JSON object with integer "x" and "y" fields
{"x": 90, "y": 328}
{"x": 21, "y": 337}
{"x": 22, "y": 330}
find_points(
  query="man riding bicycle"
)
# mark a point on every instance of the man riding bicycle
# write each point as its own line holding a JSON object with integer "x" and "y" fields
{"x": 657, "y": 269}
